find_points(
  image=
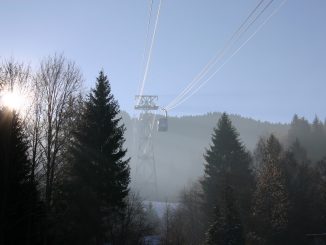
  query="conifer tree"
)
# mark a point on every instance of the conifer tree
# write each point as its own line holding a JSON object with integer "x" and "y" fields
{"x": 227, "y": 159}
{"x": 305, "y": 214}
{"x": 318, "y": 140}
{"x": 100, "y": 170}
{"x": 226, "y": 227}
{"x": 18, "y": 192}
{"x": 270, "y": 210}
{"x": 311, "y": 136}
{"x": 299, "y": 153}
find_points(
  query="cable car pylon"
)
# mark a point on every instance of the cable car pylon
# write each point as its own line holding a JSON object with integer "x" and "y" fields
{"x": 146, "y": 178}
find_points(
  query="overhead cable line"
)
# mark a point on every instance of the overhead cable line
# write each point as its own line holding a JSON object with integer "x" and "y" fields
{"x": 235, "y": 37}
{"x": 150, "y": 10}
{"x": 150, "y": 51}
{"x": 229, "y": 58}
{"x": 213, "y": 61}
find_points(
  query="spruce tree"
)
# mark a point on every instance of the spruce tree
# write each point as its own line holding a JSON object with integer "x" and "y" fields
{"x": 227, "y": 159}
{"x": 318, "y": 140}
{"x": 311, "y": 136}
{"x": 299, "y": 153}
{"x": 307, "y": 205}
{"x": 18, "y": 221}
{"x": 100, "y": 170}
{"x": 226, "y": 227}
{"x": 270, "y": 210}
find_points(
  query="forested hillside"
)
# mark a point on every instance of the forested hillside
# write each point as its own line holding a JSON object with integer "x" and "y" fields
{"x": 179, "y": 151}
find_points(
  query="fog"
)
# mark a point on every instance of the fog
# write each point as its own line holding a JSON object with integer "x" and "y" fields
{"x": 178, "y": 152}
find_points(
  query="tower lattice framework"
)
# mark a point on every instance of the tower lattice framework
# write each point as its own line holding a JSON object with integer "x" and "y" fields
{"x": 146, "y": 179}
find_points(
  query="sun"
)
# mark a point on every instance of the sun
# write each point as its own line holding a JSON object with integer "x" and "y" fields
{"x": 13, "y": 100}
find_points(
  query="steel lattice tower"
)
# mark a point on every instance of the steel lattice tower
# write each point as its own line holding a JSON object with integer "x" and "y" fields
{"x": 146, "y": 179}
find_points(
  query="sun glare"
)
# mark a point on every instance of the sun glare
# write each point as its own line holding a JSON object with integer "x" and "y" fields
{"x": 12, "y": 100}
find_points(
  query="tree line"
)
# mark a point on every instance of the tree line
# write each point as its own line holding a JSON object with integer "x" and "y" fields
{"x": 64, "y": 171}
{"x": 275, "y": 195}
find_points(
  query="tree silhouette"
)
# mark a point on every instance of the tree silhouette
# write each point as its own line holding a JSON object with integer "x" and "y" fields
{"x": 19, "y": 197}
{"x": 100, "y": 172}
{"x": 227, "y": 161}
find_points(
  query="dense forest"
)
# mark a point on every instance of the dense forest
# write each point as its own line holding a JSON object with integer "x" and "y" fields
{"x": 273, "y": 195}
{"x": 66, "y": 163}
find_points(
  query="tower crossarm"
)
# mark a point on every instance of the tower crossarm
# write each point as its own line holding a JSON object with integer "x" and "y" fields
{"x": 146, "y": 102}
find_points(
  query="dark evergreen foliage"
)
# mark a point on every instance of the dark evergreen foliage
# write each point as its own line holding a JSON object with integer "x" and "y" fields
{"x": 306, "y": 206}
{"x": 20, "y": 209}
{"x": 311, "y": 136}
{"x": 226, "y": 228}
{"x": 270, "y": 204}
{"x": 299, "y": 153}
{"x": 227, "y": 166}
{"x": 100, "y": 172}
{"x": 288, "y": 203}
{"x": 228, "y": 156}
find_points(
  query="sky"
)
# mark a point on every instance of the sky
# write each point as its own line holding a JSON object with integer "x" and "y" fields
{"x": 279, "y": 72}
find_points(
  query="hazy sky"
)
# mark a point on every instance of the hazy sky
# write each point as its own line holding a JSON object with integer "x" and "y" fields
{"x": 281, "y": 71}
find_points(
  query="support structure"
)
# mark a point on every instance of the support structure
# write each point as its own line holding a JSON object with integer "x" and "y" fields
{"x": 146, "y": 179}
